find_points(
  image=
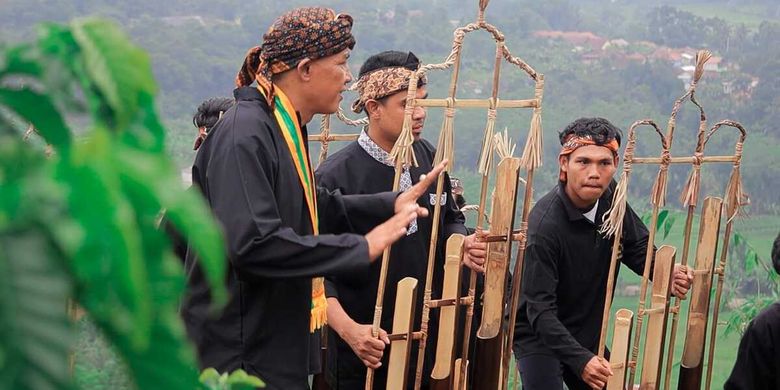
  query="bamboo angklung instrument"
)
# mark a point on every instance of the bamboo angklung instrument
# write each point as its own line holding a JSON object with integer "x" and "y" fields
{"x": 487, "y": 374}
{"x": 698, "y": 310}
{"x": 689, "y": 197}
{"x": 613, "y": 218}
{"x": 620, "y": 347}
{"x": 659, "y": 199}
{"x": 403, "y": 155}
{"x": 656, "y": 318}
{"x": 445, "y": 143}
{"x": 734, "y": 199}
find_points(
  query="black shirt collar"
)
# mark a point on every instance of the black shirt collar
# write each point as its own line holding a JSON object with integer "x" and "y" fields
{"x": 250, "y": 93}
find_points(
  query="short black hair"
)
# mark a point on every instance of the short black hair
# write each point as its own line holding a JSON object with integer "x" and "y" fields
{"x": 776, "y": 254}
{"x": 209, "y": 111}
{"x": 389, "y": 58}
{"x": 600, "y": 130}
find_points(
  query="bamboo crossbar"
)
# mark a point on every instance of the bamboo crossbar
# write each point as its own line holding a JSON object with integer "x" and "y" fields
{"x": 686, "y": 160}
{"x": 333, "y": 137}
{"x": 404, "y": 336}
{"x": 434, "y": 303}
{"x": 477, "y": 103}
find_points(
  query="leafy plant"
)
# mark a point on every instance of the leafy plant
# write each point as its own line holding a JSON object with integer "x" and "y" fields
{"x": 82, "y": 223}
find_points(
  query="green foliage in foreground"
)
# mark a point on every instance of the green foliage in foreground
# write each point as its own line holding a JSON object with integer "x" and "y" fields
{"x": 81, "y": 224}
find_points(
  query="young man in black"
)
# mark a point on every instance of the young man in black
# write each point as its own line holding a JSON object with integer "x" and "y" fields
{"x": 365, "y": 167}
{"x": 758, "y": 359}
{"x": 567, "y": 263}
{"x": 254, "y": 172}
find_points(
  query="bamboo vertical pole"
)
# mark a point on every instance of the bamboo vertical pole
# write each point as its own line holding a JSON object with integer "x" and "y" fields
{"x": 532, "y": 160}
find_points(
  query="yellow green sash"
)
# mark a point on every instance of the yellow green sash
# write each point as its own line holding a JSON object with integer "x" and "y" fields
{"x": 284, "y": 112}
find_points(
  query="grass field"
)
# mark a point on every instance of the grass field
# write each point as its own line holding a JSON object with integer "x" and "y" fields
{"x": 735, "y": 13}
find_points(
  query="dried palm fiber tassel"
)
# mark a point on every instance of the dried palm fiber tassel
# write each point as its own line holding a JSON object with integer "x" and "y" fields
{"x": 445, "y": 146}
{"x": 735, "y": 196}
{"x": 613, "y": 218}
{"x": 690, "y": 194}
{"x": 532, "y": 153}
{"x": 484, "y": 154}
{"x": 402, "y": 150}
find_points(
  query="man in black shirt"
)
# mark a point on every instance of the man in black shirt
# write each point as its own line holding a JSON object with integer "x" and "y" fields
{"x": 365, "y": 167}
{"x": 758, "y": 360}
{"x": 567, "y": 263}
{"x": 254, "y": 171}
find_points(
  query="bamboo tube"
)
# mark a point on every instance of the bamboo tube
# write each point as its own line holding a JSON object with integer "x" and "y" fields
{"x": 656, "y": 318}
{"x": 620, "y": 347}
{"x": 403, "y": 322}
{"x": 403, "y": 154}
{"x": 441, "y": 375}
{"x": 693, "y": 350}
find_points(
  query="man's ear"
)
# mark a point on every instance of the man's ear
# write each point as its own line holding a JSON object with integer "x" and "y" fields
{"x": 372, "y": 109}
{"x": 563, "y": 162}
{"x": 304, "y": 69}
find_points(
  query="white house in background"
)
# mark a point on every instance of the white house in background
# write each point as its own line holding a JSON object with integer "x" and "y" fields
{"x": 186, "y": 176}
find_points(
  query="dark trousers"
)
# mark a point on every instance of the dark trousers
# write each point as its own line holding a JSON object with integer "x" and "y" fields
{"x": 542, "y": 372}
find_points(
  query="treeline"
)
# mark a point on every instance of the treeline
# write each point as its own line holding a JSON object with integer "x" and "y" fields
{"x": 196, "y": 48}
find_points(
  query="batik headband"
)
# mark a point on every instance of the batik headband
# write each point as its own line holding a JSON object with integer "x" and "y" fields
{"x": 308, "y": 32}
{"x": 574, "y": 142}
{"x": 381, "y": 83}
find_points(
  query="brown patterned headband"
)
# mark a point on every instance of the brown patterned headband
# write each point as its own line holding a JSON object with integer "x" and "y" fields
{"x": 381, "y": 83}
{"x": 308, "y": 32}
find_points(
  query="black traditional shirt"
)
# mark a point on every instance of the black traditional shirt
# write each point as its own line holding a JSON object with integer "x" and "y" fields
{"x": 247, "y": 176}
{"x": 758, "y": 360}
{"x": 359, "y": 168}
{"x": 565, "y": 277}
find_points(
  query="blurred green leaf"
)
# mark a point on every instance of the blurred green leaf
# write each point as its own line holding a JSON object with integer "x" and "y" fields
{"x": 35, "y": 332}
{"x": 751, "y": 260}
{"x": 119, "y": 69}
{"x": 39, "y": 110}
